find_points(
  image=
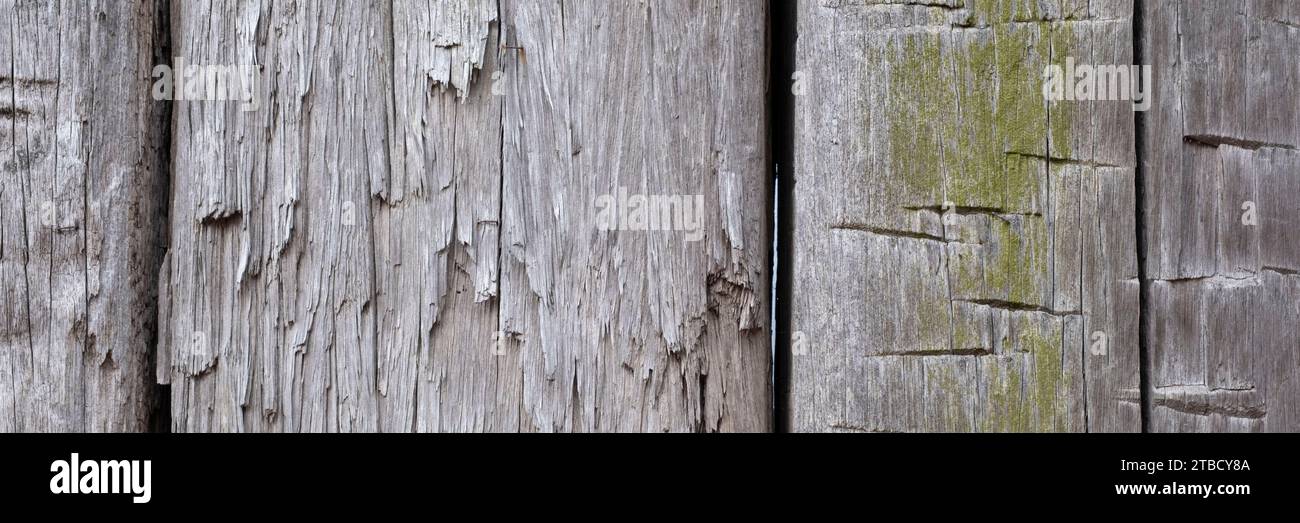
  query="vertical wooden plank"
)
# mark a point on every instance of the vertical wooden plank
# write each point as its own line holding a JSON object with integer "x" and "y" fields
{"x": 404, "y": 235}
{"x": 965, "y": 256}
{"x": 272, "y": 304}
{"x": 80, "y": 213}
{"x": 1222, "y": 172}
{"x": 629, "y": 329}
{"x": 437, "y": 226}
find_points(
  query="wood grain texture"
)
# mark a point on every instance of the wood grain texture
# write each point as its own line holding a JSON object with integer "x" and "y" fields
{"x": 79, "y": 215}
{"x": 403, "y": 236}
{"x": 1223, "y": 215}
{"x": 404, "y": 233}
{"x": 961, "y": 242}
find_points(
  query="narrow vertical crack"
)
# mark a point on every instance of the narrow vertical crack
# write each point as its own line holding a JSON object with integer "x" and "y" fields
{"x": 502, "y": 43}
{"x": 1139, "y": 178}
{"x": 160, "y": 413}
{"x": 371, "y": 201}
{"x": 782, "y": 38}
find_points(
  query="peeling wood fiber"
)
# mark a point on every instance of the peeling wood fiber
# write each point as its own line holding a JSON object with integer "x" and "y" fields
{"x": 403, "y": 236}
{"x": 80, "y": 195}
{"x": 403, "y": 232}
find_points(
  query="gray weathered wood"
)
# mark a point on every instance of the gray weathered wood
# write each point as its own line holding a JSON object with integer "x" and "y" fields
{"x": 79, "y": 215}
{"x": 960, "y": 242}
{"x": 1222, "y": 215}
{"x": 403, "y": 234}
{"x": 397, "y": 240}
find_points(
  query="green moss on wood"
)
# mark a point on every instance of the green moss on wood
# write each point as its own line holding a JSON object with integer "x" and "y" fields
{"x": 1027, "y": 389}
{"x": 1061, "y": 113}
{"x": 961, "y": 107}
{"x": 918, "y": 86}
{"x": 968, "y": 125}
{"x": 951, "y": 401}
{"x": 1019, "y": 260}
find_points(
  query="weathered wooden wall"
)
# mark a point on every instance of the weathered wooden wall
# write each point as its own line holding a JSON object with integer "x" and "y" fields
{"x": 1222, "y": 215}
{"x": 960, "y": 241}
{"x": 80, "y": 215}
{"x": 402, "y": 237}
{"x": 1021, "y": 310}
{"x": 403, "y": 234}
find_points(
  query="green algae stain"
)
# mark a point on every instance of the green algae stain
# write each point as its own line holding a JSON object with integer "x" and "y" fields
{"x": 1027, "y": 389}
{"x": 964, "y": 99}
{"x": 968, "y": 124}
{"x": 1045, "y": 394}
{"x": 917, "y": 134}
{"x": 1061, "y": 113}
{"x": 1005, "y": 411}
{"x": 1020, "y": 260}
{"x": 966, "y": 270}
{"x": 1024, "y": 184}
{"x": 965, "y": 334}
{"x": 1004, "y": 11}
{"x": 942, "y": 381}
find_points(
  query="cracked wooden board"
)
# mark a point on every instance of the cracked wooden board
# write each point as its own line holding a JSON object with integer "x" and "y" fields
{"x": 80, "y": 206}
{"x": 965, "y": 256}
{"x": 402, "y": 238}
{"x": 374, "y": 250}
{"x": 1222, "y": 215}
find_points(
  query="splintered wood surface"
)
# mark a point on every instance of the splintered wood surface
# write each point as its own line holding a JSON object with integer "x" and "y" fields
{"x": 403, "y": 237}
{"x": 559, "y": 215}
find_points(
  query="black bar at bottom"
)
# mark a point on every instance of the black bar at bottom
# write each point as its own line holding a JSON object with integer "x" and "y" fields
{"x": 458, "y": 476}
